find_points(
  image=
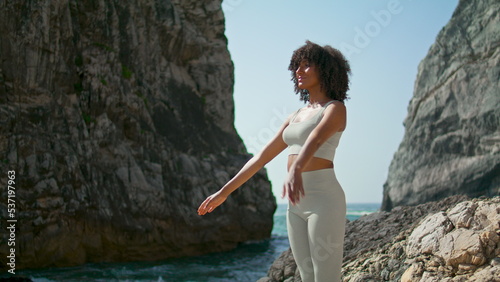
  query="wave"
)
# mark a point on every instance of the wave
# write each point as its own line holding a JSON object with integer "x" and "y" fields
{"x": 360, "y": 213}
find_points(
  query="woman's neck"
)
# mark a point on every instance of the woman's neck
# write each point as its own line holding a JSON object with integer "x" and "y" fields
{"x": 318, "y": 98}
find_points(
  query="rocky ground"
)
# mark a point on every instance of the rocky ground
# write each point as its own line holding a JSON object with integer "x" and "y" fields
{"x": 455, "y": 239}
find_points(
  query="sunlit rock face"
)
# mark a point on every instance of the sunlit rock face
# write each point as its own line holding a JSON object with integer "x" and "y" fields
{"x": 117, "y": 118}
{"x": 452, "y": 132}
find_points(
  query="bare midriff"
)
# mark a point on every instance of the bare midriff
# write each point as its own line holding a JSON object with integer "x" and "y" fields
{"x": 314, "y": 164}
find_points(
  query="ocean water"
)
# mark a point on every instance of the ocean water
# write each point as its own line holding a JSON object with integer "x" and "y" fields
{"x": 248, "y": 262}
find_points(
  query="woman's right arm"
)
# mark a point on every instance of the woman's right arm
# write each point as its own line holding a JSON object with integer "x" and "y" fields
{"x": 257, "y": 162}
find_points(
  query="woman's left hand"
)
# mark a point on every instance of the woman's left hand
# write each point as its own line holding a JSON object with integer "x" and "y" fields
{"x": 293, "y": 187}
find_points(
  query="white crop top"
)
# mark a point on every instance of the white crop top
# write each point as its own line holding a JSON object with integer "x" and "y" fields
{"x": 296, "y": 133}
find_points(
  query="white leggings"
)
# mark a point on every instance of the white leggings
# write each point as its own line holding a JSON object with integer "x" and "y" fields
{"x": 316, "y": 227}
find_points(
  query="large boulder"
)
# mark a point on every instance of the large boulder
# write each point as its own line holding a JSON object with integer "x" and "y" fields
{"x": 117, "y": 120}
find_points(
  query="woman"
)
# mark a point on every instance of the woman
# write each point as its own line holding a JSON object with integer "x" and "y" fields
{"x": 316, "y": 209}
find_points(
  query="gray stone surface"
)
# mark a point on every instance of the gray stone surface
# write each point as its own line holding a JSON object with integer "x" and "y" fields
{"x": 117, "y": 118}
{"x": 417, "y": 243}
{"x": 452, "y": 131}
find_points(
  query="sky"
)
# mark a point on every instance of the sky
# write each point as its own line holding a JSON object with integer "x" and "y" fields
{"x": 384, "y": 41}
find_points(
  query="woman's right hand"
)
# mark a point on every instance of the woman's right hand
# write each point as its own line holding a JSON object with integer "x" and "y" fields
{"x": 211, "y": 202}
{"x": 293, "y": 187}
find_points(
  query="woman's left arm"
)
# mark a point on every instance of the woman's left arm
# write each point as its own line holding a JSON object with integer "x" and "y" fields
{"x": 333, "y": 120}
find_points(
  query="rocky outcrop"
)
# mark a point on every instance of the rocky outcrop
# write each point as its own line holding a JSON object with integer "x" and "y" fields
{"x": 452, "y": 131}
{"x": 117, "y": 120}
{"x": 365, "y": 235}
{"x": 461, "y": 241}
{"x": 454, "y": 239}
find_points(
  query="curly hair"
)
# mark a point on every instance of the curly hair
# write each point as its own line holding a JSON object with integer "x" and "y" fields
{"x": 333, "y": 69}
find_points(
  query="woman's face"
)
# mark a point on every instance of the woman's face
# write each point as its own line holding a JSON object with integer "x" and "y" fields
{"x": 307, "y": 76}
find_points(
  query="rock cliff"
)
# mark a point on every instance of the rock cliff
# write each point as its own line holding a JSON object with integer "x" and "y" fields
{"x": 452, "y": 131}
{"x": 117, "y": 119}
{"x": 454, "y": 239}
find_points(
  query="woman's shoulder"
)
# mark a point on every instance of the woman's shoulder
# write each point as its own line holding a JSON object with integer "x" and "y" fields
{"x": 335, "y": 109}
{"x": 335, "y": 104}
